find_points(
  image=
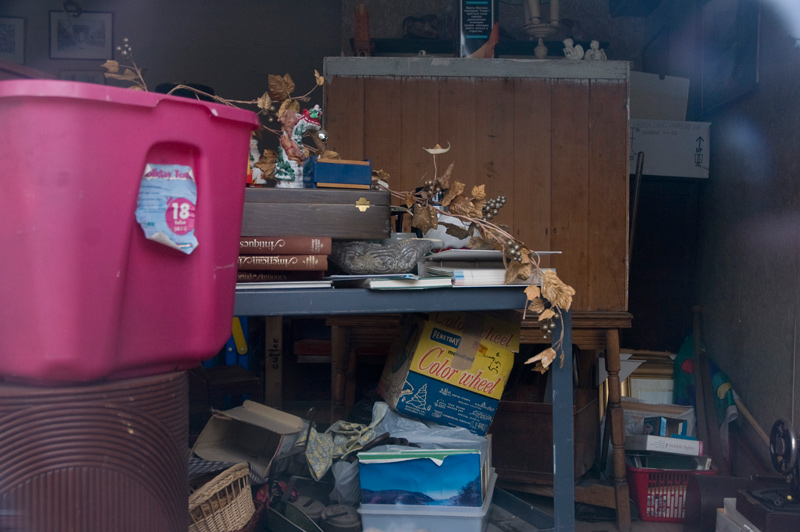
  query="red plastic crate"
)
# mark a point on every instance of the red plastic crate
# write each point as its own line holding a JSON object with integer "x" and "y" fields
{"x": 660, "y": 494}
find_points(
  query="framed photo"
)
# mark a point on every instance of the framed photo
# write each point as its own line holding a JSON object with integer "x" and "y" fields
{"x": 730, "y": 51}
{"x": 85, "y": 76}
{"x": 88, "y": 35}
{"x": 12, "y": 39}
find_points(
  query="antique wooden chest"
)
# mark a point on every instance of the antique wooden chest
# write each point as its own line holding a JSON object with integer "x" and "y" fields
{"x": 337, "y": 213}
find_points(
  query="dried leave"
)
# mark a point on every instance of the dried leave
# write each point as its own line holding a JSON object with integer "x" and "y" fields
{"x": 475, "y": 209}
{"x": 288, "y": 106}
{"x": 444, "y": 180}
{"x": 436, "y": 150}
{"x": 112, "y": 66}
{"x": 329, "y": 154}
{"x": 456, "y": 189}
{"x": 544, "y": 359}
{"x": 478, "y": 243}
{"x": 264, "y": 102}
{"x": 280, "y": 88}
{"x": 533, "y": 293}
{"x": 127, "y": 75}
{"x": 479, "y": 192}
{"x": 555, "y": 291}
{"x": 517, "y": 271}
{"x": 526, "y": 256}
{"x": 381, "y": 174}
{"x": 424, "y": 218}
{"x": 546, "y": 314}
{"x": 458, "y": 231}
{"x": 137, "y": 87}
{"x": 537, "y": 305}
{"x": 460, "y": 206}
{"x": 319, "y": 79}
{"x": 266, "y": 163}
{"x": 409, "y": 202}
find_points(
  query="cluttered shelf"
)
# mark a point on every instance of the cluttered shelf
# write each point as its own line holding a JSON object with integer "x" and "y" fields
{"x": 363, "y": 301}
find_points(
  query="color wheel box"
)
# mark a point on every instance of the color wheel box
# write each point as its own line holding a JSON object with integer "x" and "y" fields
{"x": 451, "y": 367}
{"x": 393, "y": 517}
{"x": 436, "y": 477}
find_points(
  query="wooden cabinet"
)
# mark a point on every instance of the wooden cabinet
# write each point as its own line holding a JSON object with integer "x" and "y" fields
{"x": 551, "y": 136}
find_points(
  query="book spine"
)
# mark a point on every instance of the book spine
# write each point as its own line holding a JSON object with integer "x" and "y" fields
{"x": 287, "y": 245}
{"x": 278, "y": 276}
{"x": 283, "y": 262}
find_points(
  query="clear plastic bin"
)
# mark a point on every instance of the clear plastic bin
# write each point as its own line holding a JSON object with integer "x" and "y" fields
{"x": 403, "y": 517}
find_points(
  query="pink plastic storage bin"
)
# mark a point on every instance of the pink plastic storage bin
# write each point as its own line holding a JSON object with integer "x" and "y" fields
{"x": 83, "y": 294}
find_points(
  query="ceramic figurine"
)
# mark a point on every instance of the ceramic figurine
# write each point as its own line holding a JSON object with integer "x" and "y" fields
{"x": 572, "y": 52}
{"x": 291, "y": 153}
{"x": 540, "y": 52}
{"x": 595, "y": 53}
{"x": 257, "y": 177}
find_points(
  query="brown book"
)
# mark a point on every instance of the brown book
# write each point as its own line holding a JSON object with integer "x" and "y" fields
{"x": 278, "y": 276}
{"x": 283, "y": 262}
{"x": 285, "y": 245}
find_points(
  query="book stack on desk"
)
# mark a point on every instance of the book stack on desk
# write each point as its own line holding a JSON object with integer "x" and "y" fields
{"x": 470, "y": 267}
{"x": 275, "y": 259}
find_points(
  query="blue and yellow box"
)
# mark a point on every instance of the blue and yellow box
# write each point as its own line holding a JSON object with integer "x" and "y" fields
{"x": 340, "y": 173}
{"x": 451, "y": 367}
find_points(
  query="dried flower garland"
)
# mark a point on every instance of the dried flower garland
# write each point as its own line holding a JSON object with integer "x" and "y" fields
{"x": 443, "y": 195}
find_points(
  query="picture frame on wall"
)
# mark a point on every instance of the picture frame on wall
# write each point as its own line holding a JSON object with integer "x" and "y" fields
{"x": 84, "y": 35}
{"x": 730, "y": 51}
{"x": 12, "y": 39}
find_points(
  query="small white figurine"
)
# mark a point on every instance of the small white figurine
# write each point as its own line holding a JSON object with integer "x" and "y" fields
{"x": 595, "y": 53}
{"x": 572, "y": 53}
{"x": 258, "y": 175}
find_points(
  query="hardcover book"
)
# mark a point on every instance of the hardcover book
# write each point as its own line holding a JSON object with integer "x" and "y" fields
{"x": 285, "y": 245}
{"x": 278, "y": 276}
{"x": 283, "y": 262}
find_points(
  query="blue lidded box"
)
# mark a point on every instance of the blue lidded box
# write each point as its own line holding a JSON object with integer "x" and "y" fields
{"x": 340, "y": 173}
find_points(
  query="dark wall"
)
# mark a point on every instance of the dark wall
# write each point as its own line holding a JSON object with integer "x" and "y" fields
{"x": 229, "y": 45}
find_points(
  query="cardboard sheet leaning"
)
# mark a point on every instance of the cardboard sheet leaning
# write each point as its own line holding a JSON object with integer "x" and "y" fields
{"x": 451, "y": 367}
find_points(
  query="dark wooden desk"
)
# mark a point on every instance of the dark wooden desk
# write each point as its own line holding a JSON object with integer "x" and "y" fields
{"x": 349, "y": 302}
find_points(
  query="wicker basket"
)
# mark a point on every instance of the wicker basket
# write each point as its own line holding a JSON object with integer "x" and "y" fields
{"x": 224, "y": 504}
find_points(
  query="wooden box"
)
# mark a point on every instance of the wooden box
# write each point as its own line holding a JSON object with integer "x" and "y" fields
{"x": 339, "y": 214}
{"x": 522, "y": 438}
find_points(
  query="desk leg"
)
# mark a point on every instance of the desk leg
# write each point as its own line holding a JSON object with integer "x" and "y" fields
{"x": 340, "y": 349}
{"x": 615, "y": 414}
{"x": 273, "y": 366}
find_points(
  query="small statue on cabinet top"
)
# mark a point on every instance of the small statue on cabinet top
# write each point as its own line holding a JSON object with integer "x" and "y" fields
{"x": 291, "y": 152}
{"x": 257, "y": 175}
{"x": 595, "y": 53}
{"x": 572, "y": 52}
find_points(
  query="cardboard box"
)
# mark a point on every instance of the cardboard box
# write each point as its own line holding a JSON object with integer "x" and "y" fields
{"x": 451, "y": 367}
{"x": 655, "y": 97}
{"x": 252, "y": 433}
{"x": 449, "y": 477}
{"x": 664, "y": 426}
{"x": 643, "y": 442}
{"x": 671, "y": 148}
{"x": 333, "y": 173}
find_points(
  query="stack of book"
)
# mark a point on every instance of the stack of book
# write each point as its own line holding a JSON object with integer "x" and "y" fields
{"x": 275, "y": 259}
{"x": 469, "y": 267}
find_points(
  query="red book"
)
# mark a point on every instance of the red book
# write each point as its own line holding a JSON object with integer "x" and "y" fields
{"x": 283, "y": 262}
{"x": 285, "y": 245}
{"x": 277, "y": 276}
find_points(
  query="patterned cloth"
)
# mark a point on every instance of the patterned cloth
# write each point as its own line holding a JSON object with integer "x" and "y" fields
{"x": 341, "y": 439}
